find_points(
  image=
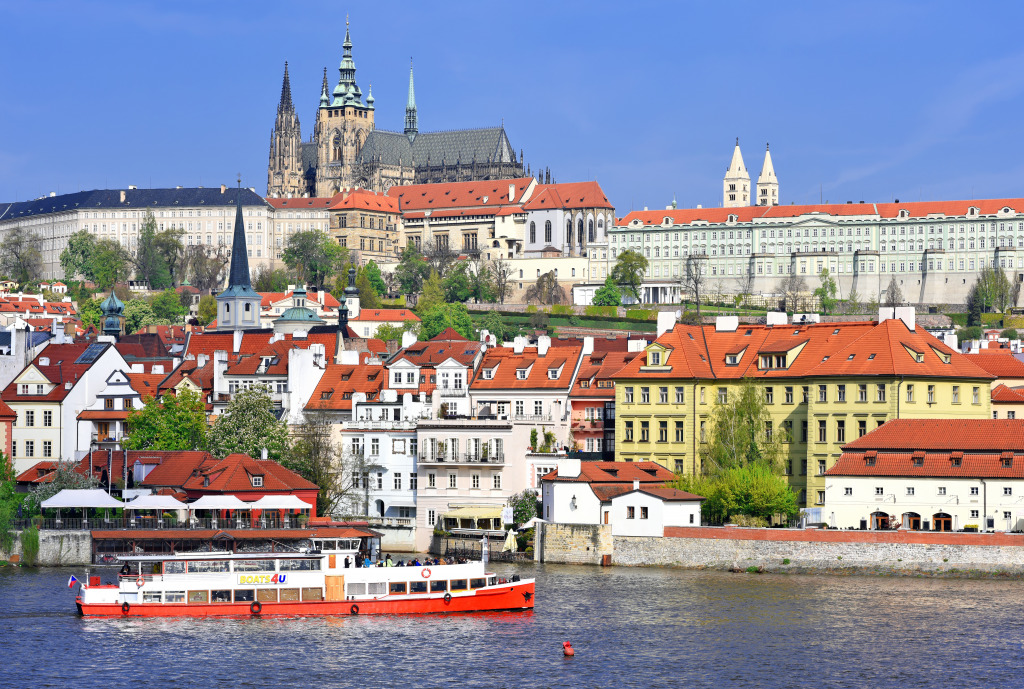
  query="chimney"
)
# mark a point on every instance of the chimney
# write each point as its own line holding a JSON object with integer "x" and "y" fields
{"x": 666, "y": 321}
{"x": 201, "y": 360}
{"x": 157, "y": 369}
{"x": 588, "y": 345}
{"x": 543, "y": 344}
{"x": 511, "y": 192}
{"x": 636, "y": 485}
{"x": 408, "y": 339}
{"x": 773, "y": 318}
{"x": 237, "y": 343}
{"x": 263, "y": 454}
{"x": 132, "y": 186}
{"x": 138, "y": 368}
{"x": 122, "y": 196}
{"x": 519, "y": 344}
{"x": 726, "y": 324}
{"x": 223, "y": 188}
{"x": 44, "y": 361}
{"x": 569, "y": 468}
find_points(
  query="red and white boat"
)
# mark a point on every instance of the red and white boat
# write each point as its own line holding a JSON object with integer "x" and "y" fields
{"x": 315, "y": 582}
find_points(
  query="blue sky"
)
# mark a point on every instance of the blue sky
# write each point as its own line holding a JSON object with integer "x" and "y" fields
{"x": 860, "y": 100}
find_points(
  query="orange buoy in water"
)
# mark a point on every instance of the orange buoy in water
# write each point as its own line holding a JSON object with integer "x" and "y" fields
{"x": 567, "y": 649}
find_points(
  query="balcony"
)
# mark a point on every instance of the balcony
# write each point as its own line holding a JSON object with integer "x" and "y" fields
{"x": 378, "y": 425}
{"x": 532, "y": 417}
{"x": 588, "y": 424}
{"x": 494, "y": 458}
{"x": 451, "y": 392}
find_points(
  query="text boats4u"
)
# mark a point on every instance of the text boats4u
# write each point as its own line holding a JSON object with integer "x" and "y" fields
{"x": 303, "y": 583}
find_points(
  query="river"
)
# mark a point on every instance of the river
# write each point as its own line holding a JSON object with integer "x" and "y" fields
{"x": 630, "y": 628}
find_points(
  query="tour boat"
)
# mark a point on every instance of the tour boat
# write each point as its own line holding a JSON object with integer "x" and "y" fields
{"x": 320, "y": 581}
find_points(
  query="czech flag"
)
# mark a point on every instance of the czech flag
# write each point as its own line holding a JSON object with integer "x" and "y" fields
{"x": 72, "y": 581}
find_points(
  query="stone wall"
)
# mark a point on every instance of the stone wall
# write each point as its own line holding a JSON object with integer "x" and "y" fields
{"x": 577, "y": 544}
{"x": 58, "y": 548}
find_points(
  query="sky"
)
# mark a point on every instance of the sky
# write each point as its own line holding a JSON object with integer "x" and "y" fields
{"x": 860, "y": 101}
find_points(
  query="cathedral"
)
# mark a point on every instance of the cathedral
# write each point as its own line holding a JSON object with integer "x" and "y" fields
{"x": 345, "y": 150}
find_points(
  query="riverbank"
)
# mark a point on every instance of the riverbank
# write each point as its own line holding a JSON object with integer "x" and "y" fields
{"x": 797, "y": 551}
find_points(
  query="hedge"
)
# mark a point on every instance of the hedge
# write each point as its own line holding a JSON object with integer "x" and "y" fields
{"x": 605, "y": 311}
{"x": 561, "y": 310}
{"x": 642, "y": 314}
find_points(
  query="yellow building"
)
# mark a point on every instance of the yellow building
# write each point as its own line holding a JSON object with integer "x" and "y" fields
{"x": 825, "y": 384}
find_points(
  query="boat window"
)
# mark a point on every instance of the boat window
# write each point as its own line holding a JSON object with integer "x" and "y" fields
{"x": 377, "y": 588}
{"x": 458, "y": 585}
{"x": 491, "y": 581}
{"x": 174, "y": 597}
{"x": 417, "y": 587}
{"x": 289, "y": 595}
{"x": 355, "y": 589}
{"x": 266, "y": 595}
{"x": 205, "y": 566}
{"x": 220, "y": 596}
{"x": 297, "y": 565}
{"x": 312, "y": 594}
{"x": 397, "y": 588}
{"x": 477, "y": 583}
{"x": 254, "y": 565}
{"x": 175, "y": 567}
{"x": 438, "y": 586}
{"x": 152, "y": 596}
{"x": 245, "y": 595}
{"x": 198, "y": 596}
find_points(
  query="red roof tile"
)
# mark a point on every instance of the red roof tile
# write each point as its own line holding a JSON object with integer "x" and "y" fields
{"x": 1001, "y": 365}
{"x": 234, "y": 474}
{"x": 60, "y": 370}
{"x": 504, "y": 364}
{"x": 364, "y": 199}
{"x": 568, "y": 195}
{"x": 340, "y": 381}
{"x": 1003, "y": 394}
{"x": 385, "y": 315}
{"x": 616, "y": 472}
{"x": 303, "y": 202}
{"x": 478, "y": 194}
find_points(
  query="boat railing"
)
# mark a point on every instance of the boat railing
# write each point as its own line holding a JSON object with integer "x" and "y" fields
{"x": 101, "y": 523}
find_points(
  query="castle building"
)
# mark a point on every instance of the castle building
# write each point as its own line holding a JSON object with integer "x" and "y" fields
{"x": 346, "y": 150}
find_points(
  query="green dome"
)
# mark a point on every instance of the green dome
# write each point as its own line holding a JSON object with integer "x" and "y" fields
{"x": 300, "y": 314}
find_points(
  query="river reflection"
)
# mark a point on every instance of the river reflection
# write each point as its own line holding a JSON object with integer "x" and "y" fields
{"x": 630, "y": 628}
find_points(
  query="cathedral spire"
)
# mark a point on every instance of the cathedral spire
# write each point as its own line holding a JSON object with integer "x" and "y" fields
{"x": 736, "y": 185}
{"x": 238, "y": 305}
{"x": 347, "y": 91}
{"x": 239, "y": 275}
{"x": 286, "y": 104}
{"x": 767, "y": 182}
{"x": 411, "y": 119}
{"x": 325, "y": 95}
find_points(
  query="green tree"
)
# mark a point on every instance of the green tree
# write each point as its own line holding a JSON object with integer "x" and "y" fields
{"x": 826, "y": 293}
{"x": 376, "y": 279}
{"x": 853, "y": 302}
{"x": 109, "y": 264}
{"x": 77, "y": 255}
{"x": 314, "y": 257}
{"x": 150, "y": 264}
{"x": 609, "y": 295}
{"x": 990, "y": 291}
{"x": 90, "y": 313}
{"x": 21, "y": 256}
{"x": 629, "y": 271}
{"x": 754, "y": 491}
{"x": 742, "y": 433}
{"x": 316, "y": 457}
{"x": 443, "y": 316}
{"x": 1010, "y": 334}
{"x": 388, "y": 332}
{"x": 411, "y": 270}
{"x": 167, "y": 306}
{"x": 432, "y": 295}
{"x": 267, "y": 280}
{"x": 457, "y": 284}
{"x": 482, "y": 284}
{"x": 971, "y": 332}
{"x": 524, "y": 506}
{"x": 138, "y": 314}
{"x": 369, "y": 298}
{"x": 65, "y": 476}
{"x": 177, "y": 422}
{"x": 207, "y": 309}
{"x": 10, "y": 499}
{"x": 248, "y": 426}
{"x": 494, "y": 323}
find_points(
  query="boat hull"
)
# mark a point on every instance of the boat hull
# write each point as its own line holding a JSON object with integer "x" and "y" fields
{"x": 513, "y": 596}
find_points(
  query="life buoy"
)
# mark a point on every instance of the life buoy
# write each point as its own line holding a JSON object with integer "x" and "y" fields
{"x": 426, "y": 572}
{"x": 256, "y": 607}
{"x": 354, "y": 609}
{"x": 447, "y": 598}
{"x": 140, "y": 581}
{"x": 125, "y": 608}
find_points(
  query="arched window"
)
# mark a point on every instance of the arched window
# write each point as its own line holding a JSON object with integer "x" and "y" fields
{"x": 590, "y": 230}
{"x": 547, "y": 231}
{"x": 579, "y": 232}
{"x": 568, "y": 231}
{"x": 533, "y": 232}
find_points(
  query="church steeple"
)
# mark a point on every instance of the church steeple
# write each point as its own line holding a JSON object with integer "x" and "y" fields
{"x": 411, "y": 120}
{"x": 767, "y": 182}
{"x": 736, "y": 185}
{"x": 238, "y": 305}
{"x": 347, "y": 91}
{"x": 325, "y": 95}
{"x": 286, "y": 105}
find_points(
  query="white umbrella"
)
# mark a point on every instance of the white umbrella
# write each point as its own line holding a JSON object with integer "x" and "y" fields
{"x": 280, "y": 502}
{"x": 81, "y": 497}
{"x": 155, "y": 502}
{"x": 510, "y": 542}
{"x": 219, "y": 502}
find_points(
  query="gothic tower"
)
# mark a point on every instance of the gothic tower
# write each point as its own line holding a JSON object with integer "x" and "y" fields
{"x": 238, "y": 306}
{"x": 343, "y": 122}
{"x": 284, "y": 173}
{"x": 736, "y": 186}
{"x": 411, "y": 119}
{"x": 767, "y": 182}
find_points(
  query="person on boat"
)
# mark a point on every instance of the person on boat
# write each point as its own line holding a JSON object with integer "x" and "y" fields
{"x": 125, "y": 570}
{"x": 388, "y": 562}
{"x": 348, "y": 563}
{"x": 416, "y": 562}
{"x": 366, "y": 562}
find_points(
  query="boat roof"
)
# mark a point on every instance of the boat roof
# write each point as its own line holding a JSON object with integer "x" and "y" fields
{"x": 223, "y": 555}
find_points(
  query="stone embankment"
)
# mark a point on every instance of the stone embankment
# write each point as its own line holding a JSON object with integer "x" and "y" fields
{"x": 793, "y": 550}
{"x": 57, "y": 548}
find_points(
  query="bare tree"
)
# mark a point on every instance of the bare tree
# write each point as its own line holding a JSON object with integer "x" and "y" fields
{"x": 792, "y": 288}
{"x": 315, "y": 456}
{"x": 695, "y": 277}
{"x": 547, "y": 290}
{"x": 204, "y": 265}
{"x": 744, "y": 285}
{"x": 438, "y": 256}
{"x": 21, "y": 256}
{"x": 893, "y": 294}
{"x": 501, "y": 273}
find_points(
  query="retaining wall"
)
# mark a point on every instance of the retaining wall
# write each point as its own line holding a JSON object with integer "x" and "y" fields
{"x": 58, "y": 548}
{"x": 577, "y": 544}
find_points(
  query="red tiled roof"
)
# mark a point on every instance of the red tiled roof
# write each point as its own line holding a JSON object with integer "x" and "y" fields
{"x": 234, "y": 474}
{"x": 999, "y": 364}
{"x": 146, "y": 384}
{"x": 6, "y": 412}
{"x": 944, "y": 434}
{"x": 103, "y": 414}
{"x": 312, "y": 299}
{"x": 303, "y": 202}
{"x": 505, "y": 363}
{"x": 670, "y": 494}
{"x": 364, "y": 199}
{"x": 172, "y": 468}
{"x": 240, "y": 535}
{"x": 600, "y": 366}
{"x": 339, "y": 381}
{"x": 1003, "y": 394}
{"x": 478, "y": 194}
{"x": 616, "y": 472}
{"x": 60, "y": 370}
{"x": 385, "y": 315}
{"x": 568, "y": 195}
{"x": 40, "y": 472}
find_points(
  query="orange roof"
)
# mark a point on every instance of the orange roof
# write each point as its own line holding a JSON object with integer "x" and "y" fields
{"x": 1002, "y": 394}
{"x": 234, "y": 474}
{"x": 600, "y": 366}
{"x": 477, "y": 194}
{"x": 999, "y": 364}
{"x": 504, "y": 365}
{"x": 146, "y": 384}
{"x": 6, "y": 412}
{"x": 385, "y": 315}
{"x": 340, "y": 381}
{"x": 568, "y": 195}
{"x": 616, "y": 472}
{"x": 686, "y": 216}
{"x": 103, "y": 414}
{"x": 40, "y": 472}
{"x": 364, "y": 199}
{"x": 303, "y": 202}
{"x": 825, "y": 349}
{"x": 312, "y": 296}
{"x": 60, "y": 370}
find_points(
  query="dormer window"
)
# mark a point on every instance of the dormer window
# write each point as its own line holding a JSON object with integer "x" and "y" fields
{"x": 488, "y": 374}
{"x": 553, "y": 373}
{"x": 654, "y": 358}
{"x": 257, "y": 481}
{"x": 520, "y": 374}
{"x": 732, "y": 359}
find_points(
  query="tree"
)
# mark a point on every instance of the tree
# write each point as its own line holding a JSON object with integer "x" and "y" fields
{"x": 990, "y": 291}
{"x": 138, "y": 314}
{"x": 317, "y": 458}
{"x": 207, "y": 309}
{"x": 109, "y": 264}
{"x": 433, "y": 294}
{"x": 389, "y": 333}
{"x": 457, "y": 284}
{"x": 90, "y": 313}
{"x": 21, "y": 256}
{"x": 177, "y": 422}
{"x": 493, "y": 323}
{"x": 546, "y": 290}
{"x": 314, "y": 257}
{"x": 167, "y": 306}
{"x": 524, "y": 506}
{"x": 77, "y": 255}
{"x": 65, "y": 476}
{"x": 792, "y": 287}
{"x": 754, "y": 491}
{"x": 1010, "y": 334}
{"x": 443, "y": 316}
{"x": 853, "y": 302}
{"x": 205, "y": 264}
{"x": 438, "y": 256}
{"x": 369, "y": 298}
{"x": 826, "y": 293}
{"x": 149, "y": 261}
{"x": 695, "y": 277}
{"x": 629, "y": 271}
{"x": 168, "y": 245}
{"x": 10, "y": 500}
{"x": 609, "y": 295}
{"x": 248, "y": 426}
{"x": 268, "y": 280}
{"x": 481, "y": 282}
{"x": 742, "y": 433}
{"x": 373, "y": 275}
{"x": 893, "y": 293}
{"x": 412, "y": 270}
{"x": 501, "y": 278}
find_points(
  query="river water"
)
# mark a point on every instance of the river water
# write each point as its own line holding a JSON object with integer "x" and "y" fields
{"x": 630, "y": 628}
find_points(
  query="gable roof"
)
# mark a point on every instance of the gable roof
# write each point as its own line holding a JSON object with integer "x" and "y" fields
{"x": 339, "y": 382}
{"x": 999, "y": 364}
{"x": 485, "y": 145}
{"x": 62, "y": 368}
{"x": 616, "y": 473}
{"x": 504, "y": 364}
{"x": 234, "y": 474}
{"x": 568, "y": 195}
{"x": 1004, "y": 395}
{"x": 481, "y": 194}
